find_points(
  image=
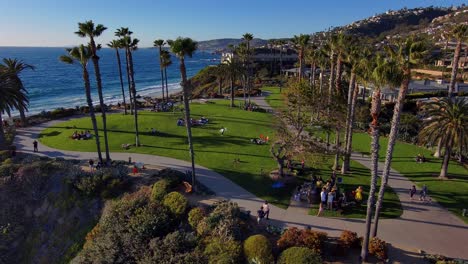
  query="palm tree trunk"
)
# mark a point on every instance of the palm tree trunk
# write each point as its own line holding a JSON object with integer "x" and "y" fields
{"x": 162, "y": 73}
{"x": 321, "y": 81}
{"x": 91, "y": 112}
{"x": 128, "y": 81}
{"x": 24, "y": 120}
{"x": 337, "y": 148}
{"x": 97, "y": 71}
{"x": 300, "y": 64}
{"x": 232, "y": 91}
{"x": 349, "y": 123}
{"x": 3, "y": 145}
{"x": 446, "y": 161}
{"x": 121, "y": 80}
{"x": 375, "y": 111}
{"x": 363, "y": 93}
{"x": 220, "y": 86}
{"x": 312, "y": 72}
{"x": 188, "y": 125}
{"x": 167, "y": 87}
{"x": 244, "y": 90}
{"x": 391, "y": 144}
{"x": 133, "y": 89}
{"x": 438, "y": 152}
{"x": 453, "y": 78}
{"x": 339, "y": 65}
{"x": 332, "y": 76}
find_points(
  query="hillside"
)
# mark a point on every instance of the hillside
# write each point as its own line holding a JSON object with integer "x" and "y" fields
{"x": 220, "y": 44}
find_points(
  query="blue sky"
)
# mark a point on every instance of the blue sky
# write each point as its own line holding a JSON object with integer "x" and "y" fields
{"x": 52, "y": 22}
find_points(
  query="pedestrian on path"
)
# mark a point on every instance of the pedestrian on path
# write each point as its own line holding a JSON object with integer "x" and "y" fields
{"x": 35, "y": 146}
{"x": 423, "y": 193}
{"x": 323, "y": 201}
{"x": 260, "y": 215}
{"x": 266, "y": 210}
{"x": 91, "y": 165}
{"x": 412, "y": 192}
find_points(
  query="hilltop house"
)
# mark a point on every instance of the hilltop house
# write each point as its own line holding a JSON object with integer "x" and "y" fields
{"x": 262, "y": 55}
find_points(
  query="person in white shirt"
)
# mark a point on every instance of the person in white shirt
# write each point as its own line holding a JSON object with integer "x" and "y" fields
{"x": 266, "y": 209}
{"x": 323, "y": 200}
{"x": 331, "y": 197}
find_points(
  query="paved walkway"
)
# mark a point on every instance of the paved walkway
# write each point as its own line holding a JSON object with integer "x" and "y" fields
{"x": 425, "y": 226}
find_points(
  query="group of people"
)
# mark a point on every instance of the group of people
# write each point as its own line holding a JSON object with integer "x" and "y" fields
{"x": 260, "y": 140}
{"x": 263, "y": 212}
{"x": 81, "y": 135}
{"x": 92, "y": 167}
{"x": 162, "y": 106}
{"x": 420, "y": 158}
{"x": 422, "y": 193}
{"x": 250, "y": 107}
{"x": 201, "y": 122}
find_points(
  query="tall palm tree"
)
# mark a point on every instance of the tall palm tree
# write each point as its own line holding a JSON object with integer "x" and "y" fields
{"x": 312, "y": 54}
{"x": 88, "y": 29}
{"x": 182, "y": 47}
{"x": 447, "y": 121}
{"x": 340, "y": 43}
{"x": 11, "y": 97}
{"x": 121, "y": 32}
{"x": 380, "y": 74}
{"x": 322, "y": 62}
{"x": 234, "y": 69}
{"x": 301, "y": 43}
{"x": 166, "y": 62}
{"x": 242, "y": 52}
{"x": 220, "y": 71}
{"x": 248, "y": 37}
{"x": 131, "y": 44}
{"x": 116, "y": 44}
{"x": 159, "y": 43}
{"x": 14, "y": 68}
{"x": 81, "y": 55}
{"x": 280, "y": 43}
{"x": 460, "y": 32}
{"x": 406, "y": 54}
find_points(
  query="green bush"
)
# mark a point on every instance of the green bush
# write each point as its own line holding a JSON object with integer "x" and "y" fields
{"x": 4, "y": 154}
{"x": 176, "y": 203}
{"x": 226, "y": 252}
{"x": 173, "y": 177}
{"x": 195, "y": 216}
{"x": 257, "y": 249}
{"x": 106, "y": 182}
{"x": 159, "y": 190}
{"x": 8, "y": 169}
{"x": 299, "y": 255}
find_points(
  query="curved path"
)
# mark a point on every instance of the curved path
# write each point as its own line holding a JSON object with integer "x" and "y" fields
{"x": 425, "y": 226}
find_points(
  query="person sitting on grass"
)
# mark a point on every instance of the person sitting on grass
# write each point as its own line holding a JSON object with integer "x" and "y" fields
{"x": 180, "y": 122}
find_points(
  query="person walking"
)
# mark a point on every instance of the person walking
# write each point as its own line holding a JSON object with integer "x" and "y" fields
{"x": 260, "y": 215}
{"x": 331, "y": 197}
{"x": 412, "y": 192}
{"x": 266, "y": 210}
{"x": 423, "y": 193}
{"x": 35, "y": 146}
{"x": 323, "y": 201}
{"x": 91, "y": 165}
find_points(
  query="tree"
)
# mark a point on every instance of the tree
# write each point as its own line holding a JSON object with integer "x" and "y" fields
{"x": 340, "y": 44}
{"x": 448, "y": 122}
{"x": 220, "y": 72}
{"x": 14, "y": 68}
{"x": 405, "y": 55}
{"x": 11, "y": 97}
{"x": 382, "y": 69}
{"x": 121, "y": 32}
{"x": 130, "y": 44}
{"x": 460, "y": 32}
{"x": 166, "y": 62}
{"x": 234, "y": 70}
{"x": 159, "y": 43}
{"x": 81, "y": 55}
{"x": 182, "y": 47}
{"x": 301, "y": 43}
{"x": 116, "y": 44}
{"x": 312, "y": 55}
{"x": 88, "y": 29}
{"x": 247, "y": 37}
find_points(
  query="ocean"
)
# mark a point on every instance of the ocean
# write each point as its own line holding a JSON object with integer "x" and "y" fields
{"x": 53, "y": 84}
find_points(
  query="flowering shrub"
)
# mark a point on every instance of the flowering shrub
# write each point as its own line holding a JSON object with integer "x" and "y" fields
{"x": 378, "y": 248}
{"x": 348, "y": 239}
{"x": 302, "y": 238}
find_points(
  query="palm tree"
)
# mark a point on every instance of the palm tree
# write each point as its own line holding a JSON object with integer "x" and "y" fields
{"x": 242, "y": 52}
{"x": 460, "y": 32}
{"x": 115, "y": 44}
{"x": 280, "y": 43}
{"x": 406, "y": 55}
{"x": 88, "y": 29}
{"x": 220, "y": 72}
{"x": 121, "y": 32}
{"x": 380, "y": 74}
{"x": 182, "y": 47}
{"x": 301, "y": 43}
{"x": 340, "y": 43}
{"x": 447, "y": 121}
{"x": 14, "y": 67}
{"x": 81, "y": 55}
{"x": 312, "y": 57}
{"x": 159, "y": 43}
{"x": 247, "y": 37}
{"x": 166, "y": 62}
{"x": 130, "y": 44}
{"x": 12, "y": 97}
{"x": 234, "y": 69}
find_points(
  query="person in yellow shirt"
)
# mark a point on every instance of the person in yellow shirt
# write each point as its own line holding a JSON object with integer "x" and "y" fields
{"x": 358, "y": 194}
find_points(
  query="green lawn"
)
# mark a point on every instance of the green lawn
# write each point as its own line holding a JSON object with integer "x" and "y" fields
{"x": 211, "y": 149}
{"x": 360, "y": 176}
{"x": 275, "y": 98}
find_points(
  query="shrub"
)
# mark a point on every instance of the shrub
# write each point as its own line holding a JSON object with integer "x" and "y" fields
{"x": 195, "y": 216}
{"x": 8, "y": 169}
{"x": 160, "y": 189}
{"x": 172, "y": 177}
{"x": 378, "y": 248}
{"x": 348, "y": 239}
{"x": 4, "y": 154}
{"x": 302, "y": 238}
{"x": 299, "y": 255}
{"x": 106, "y": 182}
{"x": 257, "y": 249}
{"x": 176, "y": 203}
{"x": 219, "y": 251}
{"x": 203, "y": 228}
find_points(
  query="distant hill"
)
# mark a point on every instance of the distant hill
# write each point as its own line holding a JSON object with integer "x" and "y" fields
{"x": 220, "y": 44}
